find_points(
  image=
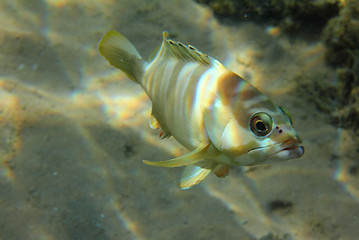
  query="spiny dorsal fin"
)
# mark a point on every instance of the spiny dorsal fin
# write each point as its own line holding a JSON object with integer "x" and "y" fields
{"x": 185, "y": 53}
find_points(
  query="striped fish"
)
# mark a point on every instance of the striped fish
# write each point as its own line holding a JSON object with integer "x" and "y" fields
{"x": 220, "y": 117}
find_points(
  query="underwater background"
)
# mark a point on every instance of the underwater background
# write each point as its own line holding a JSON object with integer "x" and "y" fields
{"x": 74, "y": 130}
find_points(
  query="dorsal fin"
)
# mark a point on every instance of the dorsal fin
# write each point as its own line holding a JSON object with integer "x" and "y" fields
{"x": 183, "y": 52}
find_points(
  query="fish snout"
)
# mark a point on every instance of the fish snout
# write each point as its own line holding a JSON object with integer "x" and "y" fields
{"x": 291, "y": 148}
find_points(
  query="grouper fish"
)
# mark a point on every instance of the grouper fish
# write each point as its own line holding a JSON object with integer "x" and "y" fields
{"x": 217, "y": 115}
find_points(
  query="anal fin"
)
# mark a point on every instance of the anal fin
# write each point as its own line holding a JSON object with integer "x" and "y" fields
{"x": 193, "y": 175}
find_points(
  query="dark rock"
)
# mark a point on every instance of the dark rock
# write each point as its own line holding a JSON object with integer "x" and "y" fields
{"x": 292, "y": 16}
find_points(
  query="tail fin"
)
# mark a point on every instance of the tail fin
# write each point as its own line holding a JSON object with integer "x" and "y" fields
{"x": 122, "y": 54}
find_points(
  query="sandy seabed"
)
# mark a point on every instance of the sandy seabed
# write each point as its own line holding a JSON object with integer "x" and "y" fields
{"x": 74, "y": 131}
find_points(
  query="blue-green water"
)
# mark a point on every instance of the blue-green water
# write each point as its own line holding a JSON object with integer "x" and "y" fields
{"x": 74, "y": 132}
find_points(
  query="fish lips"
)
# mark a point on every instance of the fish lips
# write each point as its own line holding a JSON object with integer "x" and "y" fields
{"x": 289, "y": 149}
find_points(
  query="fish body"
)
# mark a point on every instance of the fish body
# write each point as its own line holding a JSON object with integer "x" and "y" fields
{"x": 219, "y": 116}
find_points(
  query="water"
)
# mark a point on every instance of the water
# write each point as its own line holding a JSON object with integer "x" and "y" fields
{"x": 74, "y": 132}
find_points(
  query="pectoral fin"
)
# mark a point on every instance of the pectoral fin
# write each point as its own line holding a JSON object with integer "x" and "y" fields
{"x": 221, "y": 170}
{"x": 187, "y": 159}
{"x": 154, "y": 124}
{"x": 200, "y": 165}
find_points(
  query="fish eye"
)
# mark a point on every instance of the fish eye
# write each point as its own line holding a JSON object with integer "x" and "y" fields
{"x": 261, "y": 124}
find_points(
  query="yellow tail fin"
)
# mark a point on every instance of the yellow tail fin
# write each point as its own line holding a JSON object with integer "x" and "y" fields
{"x": 122, "y": 54}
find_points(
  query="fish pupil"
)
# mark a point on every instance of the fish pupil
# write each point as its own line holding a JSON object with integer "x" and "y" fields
{"x": 261, "y": 127}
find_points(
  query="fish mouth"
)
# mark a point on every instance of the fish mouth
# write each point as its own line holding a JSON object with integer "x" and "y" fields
{"x": 289, "y": 149}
